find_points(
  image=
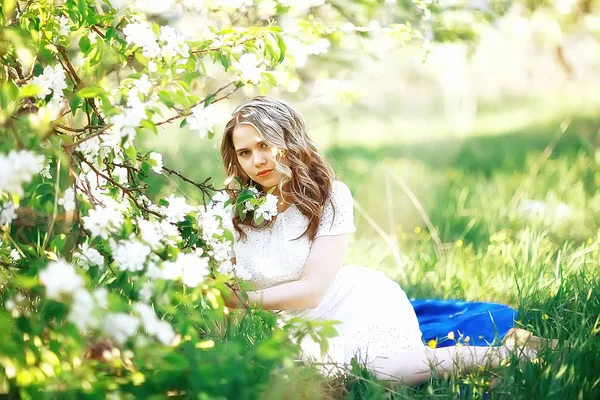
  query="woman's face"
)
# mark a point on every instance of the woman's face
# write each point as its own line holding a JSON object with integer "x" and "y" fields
{"x": 256, "y": 158}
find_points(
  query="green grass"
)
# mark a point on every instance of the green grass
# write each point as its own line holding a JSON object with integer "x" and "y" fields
{"x": 478, "y": 245}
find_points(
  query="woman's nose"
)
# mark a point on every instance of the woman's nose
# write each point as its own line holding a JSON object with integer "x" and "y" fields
{"x": 259, "y": 159}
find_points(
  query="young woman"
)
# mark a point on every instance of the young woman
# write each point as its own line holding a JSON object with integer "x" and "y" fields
{"x": 295, "y": 260}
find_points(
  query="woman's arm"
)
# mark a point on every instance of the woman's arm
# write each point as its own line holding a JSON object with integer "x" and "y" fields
{"x": 324, "y": 261}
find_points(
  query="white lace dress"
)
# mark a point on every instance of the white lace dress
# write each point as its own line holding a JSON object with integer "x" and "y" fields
{"x": 376, "y": 318}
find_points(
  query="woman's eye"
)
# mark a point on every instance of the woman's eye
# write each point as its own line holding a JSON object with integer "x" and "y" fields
{"x": 264, "y": 145}
{"x": 244, "y": 153}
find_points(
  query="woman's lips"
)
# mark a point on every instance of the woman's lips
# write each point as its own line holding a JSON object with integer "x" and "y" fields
{"x": 264, "y": 173}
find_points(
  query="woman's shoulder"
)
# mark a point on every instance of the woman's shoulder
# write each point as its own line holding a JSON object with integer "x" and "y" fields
{"x": 340, "y": 191}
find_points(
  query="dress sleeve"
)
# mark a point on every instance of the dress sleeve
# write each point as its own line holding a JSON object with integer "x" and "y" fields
{"x": 339, "y": 218}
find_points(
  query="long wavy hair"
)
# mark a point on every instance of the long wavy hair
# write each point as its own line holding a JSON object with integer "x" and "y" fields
{"x": 307, "y": 177}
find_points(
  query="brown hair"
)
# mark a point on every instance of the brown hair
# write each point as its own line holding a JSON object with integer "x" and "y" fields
{"x": 309, "y": 175}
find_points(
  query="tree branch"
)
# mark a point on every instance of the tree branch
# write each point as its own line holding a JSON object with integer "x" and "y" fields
{"x": 127, "y": 191}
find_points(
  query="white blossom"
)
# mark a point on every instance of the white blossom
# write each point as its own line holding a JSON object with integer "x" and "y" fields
{"x": 156, "y": 160}
{"x": 59, "y": 278}
{"x": 130, "y": 254}
{"x": 319, "y": 47}
{"x": 8, "y": 213}
{"x": 103, "y": 221}
{"x": 90, "y": 147}
{"x": 146, "y": 292}
{"x": 250, "y": 68}
{"x": 152, "y": 67}
{"x": 162, "y": 330}
{"x": 190, "y": 268}
{"x": 68, "y": 200}
{"x": 83, "y": 311}
{"x": 170, "y": 233}
{"x": 268, "y": 209}
{"x": 17, "y": 168}
{"x": 15, "y": 255}
{"x": 226, "y": 267}
{"x": 64, "y": 26}
{"x": 176, "y": 210}
{"x": 120, "y": 326}
{"x": 88, "y": 256}
{"x": 210, "y": 225}
{"x": 150, "y": 233}
{"x": 52, "y": 79}
{"x": 124, "y": 125}
{"x": 101, "y": 297}
{"x": 297, "y": 50}
{"x": 174, "y": 43}
{"x": 143, "y": 84}
{"x": 221, "y": 250}
{"x": 45, "y": 172}
{"x": 202, "y": 120}
{"x": 141, "y": 34}
{"x": 266, "y": 8}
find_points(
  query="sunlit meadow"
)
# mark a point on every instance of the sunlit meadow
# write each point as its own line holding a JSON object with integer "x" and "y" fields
{"x": 503, "y": 216}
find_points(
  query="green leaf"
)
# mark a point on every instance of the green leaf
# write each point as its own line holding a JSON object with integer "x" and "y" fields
{"x": 167, "y": 98}
{"x": 131, "y": 153}
{"x": 150, "y": 126}
{"x": 82, "y": 7}
{"x": 58, "y": 243}
{"x": 110, "y": 33}
{"x": 282, "y": 48}
{"x": 209, "y": 100}
{"x": 91, "y": 91}
{"x": 267, "y": 76}
{"x": 84, "y": 44}
{"x": 30, "y": 90}
{"x": 75, "y": 103}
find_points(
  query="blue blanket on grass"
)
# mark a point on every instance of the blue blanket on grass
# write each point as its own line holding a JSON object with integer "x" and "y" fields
{"x": 483, "y": 323}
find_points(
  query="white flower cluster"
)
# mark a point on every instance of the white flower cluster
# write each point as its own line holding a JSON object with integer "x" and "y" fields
{"x": 64, "y": 25}
{"x": 176, "y": 210}
{"x": 162, "y": 330}
{"x": 156, "y": 161}
{"x": 190, "y": 268}
{"x": 250, "y": 67}
{"x": 120, "y": 326}
{"x": 86, "y": 256}
{"x": 17, "y": 168}
{"x": 88, "y": 310}
{"x": 86, "y": 307}
{"x": 52, "y": 80}
{"x": 203, "y": 119}
{"x": 103, "y": 221}
{"x": 213, "y": 221}
{"x": 60, "y": 278}
{"x": 68, "y": 200}
{"x": 130, "y": 254}
{"x": 124, "y": 126}
{"x": 171, "y": 44}
{"x": 158, "y": 234}
{"x": 140, "y": 34}
{"x": 268, "y": 209}
{"x": 8, "y": 213}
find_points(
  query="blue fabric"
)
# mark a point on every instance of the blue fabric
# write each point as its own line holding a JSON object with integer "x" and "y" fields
{"x": 484, "y": 323}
